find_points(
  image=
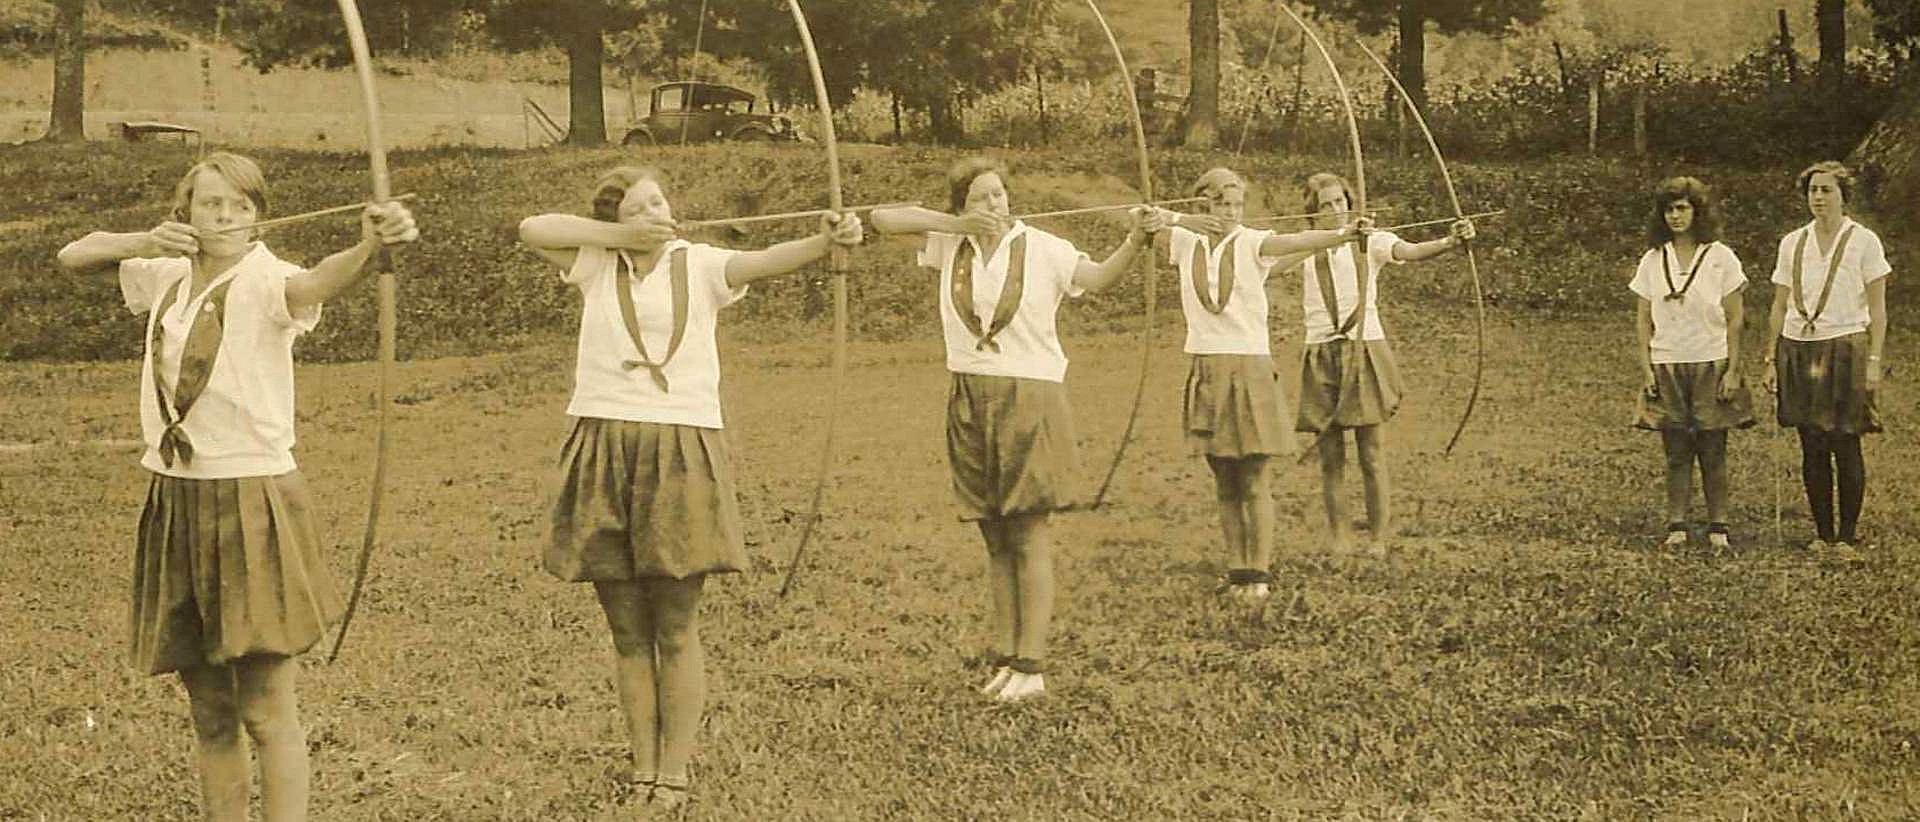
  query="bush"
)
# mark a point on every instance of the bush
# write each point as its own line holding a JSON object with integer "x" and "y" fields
{"x": 1566, "y": 243}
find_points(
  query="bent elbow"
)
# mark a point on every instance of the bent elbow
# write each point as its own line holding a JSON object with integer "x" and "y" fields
{"x": 72, "y": 258}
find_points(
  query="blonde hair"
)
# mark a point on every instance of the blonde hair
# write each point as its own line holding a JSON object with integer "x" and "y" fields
{"x": 1310, "y": 191}
{"x": 1216, "y": 180}
{"x": 239, "y": 171}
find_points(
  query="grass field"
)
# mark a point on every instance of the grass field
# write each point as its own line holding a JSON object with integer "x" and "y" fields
{"x": 1528, "y": 654}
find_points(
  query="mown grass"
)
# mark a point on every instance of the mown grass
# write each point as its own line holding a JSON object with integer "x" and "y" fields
{"x": 1528, "y": 655}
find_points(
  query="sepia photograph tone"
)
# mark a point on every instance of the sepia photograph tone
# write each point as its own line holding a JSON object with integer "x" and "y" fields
{"x": 959, "y": 410}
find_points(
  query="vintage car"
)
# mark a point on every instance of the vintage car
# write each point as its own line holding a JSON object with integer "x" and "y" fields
{"x": 693, "y": 112}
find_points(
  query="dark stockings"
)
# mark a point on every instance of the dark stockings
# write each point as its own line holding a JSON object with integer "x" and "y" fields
{"x": 1823, "y": 454}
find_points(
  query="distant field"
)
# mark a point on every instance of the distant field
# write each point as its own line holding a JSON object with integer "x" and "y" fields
{"x": 1529, "y": 654}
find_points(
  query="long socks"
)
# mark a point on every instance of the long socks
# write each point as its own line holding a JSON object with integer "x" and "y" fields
{"x": 1823, "y": 455}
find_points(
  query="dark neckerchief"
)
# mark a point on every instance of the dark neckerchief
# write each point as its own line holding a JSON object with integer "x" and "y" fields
{"x": 1323, "y": 265}
{"x": 1199, "y": 276}
{"x": 1826, "y": 290}
{"x": 197, "y": 356}
{"x": 1012, "y": 290}
{"x": 1699, "y": 256}
{"x": 629, "y": 316}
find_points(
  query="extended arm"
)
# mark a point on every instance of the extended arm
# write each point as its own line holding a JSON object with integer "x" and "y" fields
{"x": 789, "y": 256}
{"x": 386, "y": 224}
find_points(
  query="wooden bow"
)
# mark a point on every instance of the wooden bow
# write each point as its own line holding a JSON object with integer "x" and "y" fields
{"x": 1453, "y": 196}
{"x": 837, "y": 264}
{"x": 382, "y": 192}
{"x": 1152, "y": 282}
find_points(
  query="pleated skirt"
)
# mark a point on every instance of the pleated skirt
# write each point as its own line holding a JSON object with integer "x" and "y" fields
{"x": 225, "y": 568}
{"x": 643, "y": 499}
{"x": 1369, "y": 396}
{"x": 1235, "y": 407}
{"x": 1011, "y": 447}
{"x": 1823, "y": 385}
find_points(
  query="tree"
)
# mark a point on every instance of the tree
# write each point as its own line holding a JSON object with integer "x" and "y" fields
{"x": 308, "y": 31}
{"x": 68, "y": 121}
{"x": 579, "y": 27}
{"x": 1830, "y": 20}
{"x": 1203, "y": 91}
{"x": 1897, "y": 25}
{"x": 1890, "y": 154}
{"x": 272, "y": 33}
{"x": 1409, "y": 18}
{"x": 65, "y": 30}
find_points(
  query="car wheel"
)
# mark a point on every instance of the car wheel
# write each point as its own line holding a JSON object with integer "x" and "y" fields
{"x": 637, "y": 138}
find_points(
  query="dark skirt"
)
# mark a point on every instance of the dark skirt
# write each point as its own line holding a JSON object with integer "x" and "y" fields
{"x": 1823, "y": 385}
{"x": 1689, "y": 400}
{"x": 226, "y": 568}
{"x": 644, "y": 499}
{"x": 1235, "y": 407}
{"x": 1367, "y": 397}
{"x": 1010, "y": 445}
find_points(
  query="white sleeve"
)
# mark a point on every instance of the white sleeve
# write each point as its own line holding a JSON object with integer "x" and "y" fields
{"x": 939, "y": 249}
{"x": 587, "y": 262}
{"x": 1179, "y": 245}
{"x": 143, "y": 278}
{"x": 1733, "y": 274}
{"x": 1380, "y": 247}
{"x": 707, "y": 268}
{"x": 1063, "y": 258}
{"x": 1265, "y": 260}
{"x": 1873, "y": 258}
{"x": 1783, "y": 261}
{"x": 273, "y": 285}
{"x": 1643, "y": 274}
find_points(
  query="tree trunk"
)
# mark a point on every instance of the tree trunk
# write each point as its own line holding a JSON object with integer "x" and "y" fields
{"x": 587, "y": 108}
{"x": 1203, "y": 92}
{"x": 1566, "y": 82}
{"x": 1040, "y": 86}
{"x": 69, "y": 116}
{"x": 1593, "y": 112}
{"x": 1299, "y": 88}
{"x": 896, "y": 117}
{"x": 1413, "y": 51}
{"x": 1785, "y": 46}
{"x": 1639, "y": 120}
{"x": 944, "y": 120}
{"x": 1889, "y": 157}
{"x": 1830, "y": 19}
{"x": 1392, "y": 108}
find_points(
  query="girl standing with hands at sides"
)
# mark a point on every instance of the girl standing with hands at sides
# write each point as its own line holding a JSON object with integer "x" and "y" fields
{"x": 1235, "y": 412}
{"x": 228, "y": 581}
{"x": 647, "y": 504}
{"x": 1827, "y": 327}
{"x": 1348, "y": 377}
{"x": 1009, "y": 430}
{"x": 1688, "y": 328}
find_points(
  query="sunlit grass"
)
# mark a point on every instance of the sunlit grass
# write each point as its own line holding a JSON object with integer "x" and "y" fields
{"x": 1528, "y": 654}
